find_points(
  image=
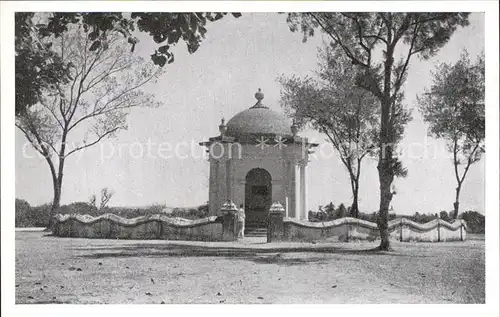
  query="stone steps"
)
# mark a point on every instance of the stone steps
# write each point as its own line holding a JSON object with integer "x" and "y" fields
{"x": 255, "y": 232}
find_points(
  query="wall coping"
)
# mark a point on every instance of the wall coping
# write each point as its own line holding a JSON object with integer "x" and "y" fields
{"x": 332, "y": 223}
{"x": 455, "y": 225}
{"x": 176, "y": 222}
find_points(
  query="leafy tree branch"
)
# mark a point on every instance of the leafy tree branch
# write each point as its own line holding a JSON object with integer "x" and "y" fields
{"x": 454, "y": 109}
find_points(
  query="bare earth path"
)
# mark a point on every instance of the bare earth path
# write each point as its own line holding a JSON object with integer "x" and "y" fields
{"x": 66, "y": 270}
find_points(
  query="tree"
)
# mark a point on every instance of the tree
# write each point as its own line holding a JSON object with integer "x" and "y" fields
{"x": 451, "y": 214}
{"x": 454, "y": 109}
{"x": 362, "y": 37}
{"x": 330, "y": 211}
{"x": 341, "y": 211}
{"x": 334, "y": 106}
{"x": 78, "y": 208}
{"x": 106, "y": 196}
{"x": 39, "y": 68}
{"x": 93, "y": 200}
{"x": 475, "y": 221}
{"x": 23, "y": 209}
{"x": 444, "y": 215}
{"x": 105, "y": 83}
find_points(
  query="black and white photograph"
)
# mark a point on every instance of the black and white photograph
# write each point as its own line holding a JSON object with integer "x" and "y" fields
{"x": 250, "y": 153}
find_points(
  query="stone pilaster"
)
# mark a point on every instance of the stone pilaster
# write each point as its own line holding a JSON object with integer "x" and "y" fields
{"x": 303, "y": 191}
{"x": 275, "y": 224}
{"x": 290, "y": 189}
{"x": 297, "y": 191}
{"x": 229, "y": 211}
{"x": 213, "y": 198}
{"x": 228, "y": 180}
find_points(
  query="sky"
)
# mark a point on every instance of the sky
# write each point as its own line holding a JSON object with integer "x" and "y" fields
{"x": 237, "y": 57}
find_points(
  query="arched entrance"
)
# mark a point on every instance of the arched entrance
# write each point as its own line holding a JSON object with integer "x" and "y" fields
{"x": 258, "y": 197}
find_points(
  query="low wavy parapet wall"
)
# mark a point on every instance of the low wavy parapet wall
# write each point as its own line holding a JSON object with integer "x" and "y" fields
{"x": 346, "y": 229}
{"x": 111, "y": 226}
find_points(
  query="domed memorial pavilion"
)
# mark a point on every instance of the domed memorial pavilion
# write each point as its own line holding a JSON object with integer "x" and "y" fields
{"x": 256, "y": 160}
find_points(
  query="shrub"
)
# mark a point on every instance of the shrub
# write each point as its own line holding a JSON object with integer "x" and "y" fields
{"x": 422, "y": 218}
{"x": 39, "y": 216}
{"x": 475, "y": 221}
{"x": 156, "y": 208}
{"x": 28, "y": 216}
{"x": 330, "y": 211}
{"x": 131, "y": 212}
{"x": 444, "y": 215}
{"x": 341, "y": 212}
{"x": 203, "y": 210}
{"x": 310, "y": 215}
{"x": 368, "y": 217}
{"x": 81, "y": 208}
{"x": 23, "y": 209}
{"x": 191, "y": 213}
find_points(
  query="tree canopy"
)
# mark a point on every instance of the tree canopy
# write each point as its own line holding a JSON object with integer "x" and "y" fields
{"x": 335, "y": 106}
{"x": 454, "y": 109}
{"x": 363, "y": 37}
{"x": 39, "y": 68}
{"x": 92, "y": 104}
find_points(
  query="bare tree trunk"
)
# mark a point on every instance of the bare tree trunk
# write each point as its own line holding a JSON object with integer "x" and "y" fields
{"x": 383, "y": 218}
{"x": 354, "y": 206}
{"x": 58, "y": 179}
{"x": 460, "y": 179}
{"x": 56, "y": 202}
{"x": 57, "y": 185}
{"x": 57, "y": 191}
{"x": 456, "y": 204}
{"x": 385, "y": 171}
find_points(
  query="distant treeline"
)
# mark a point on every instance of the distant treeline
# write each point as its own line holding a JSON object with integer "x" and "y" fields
{"x": 475, "y": 221}
{"x": 39, "y": 216}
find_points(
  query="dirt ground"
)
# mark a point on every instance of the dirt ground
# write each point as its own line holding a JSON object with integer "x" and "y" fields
{"x": 88, "y": 271}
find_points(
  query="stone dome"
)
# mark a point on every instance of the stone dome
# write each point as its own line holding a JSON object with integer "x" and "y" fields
{"x": 258, "y": 119}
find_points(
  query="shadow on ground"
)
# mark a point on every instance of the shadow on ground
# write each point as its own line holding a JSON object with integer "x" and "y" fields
{"x": 274, "y": 255}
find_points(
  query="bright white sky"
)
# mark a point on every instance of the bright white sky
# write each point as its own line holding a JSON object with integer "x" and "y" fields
{"x": 237, "y": 57}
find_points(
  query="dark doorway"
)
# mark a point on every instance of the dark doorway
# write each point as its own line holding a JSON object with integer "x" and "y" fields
{"x": 258, "y": 198}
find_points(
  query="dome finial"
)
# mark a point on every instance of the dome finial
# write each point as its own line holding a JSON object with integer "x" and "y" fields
{"x": 294, "y": 128}
{"x": 222, "y": 127}
{"x": 259, "y": 95}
